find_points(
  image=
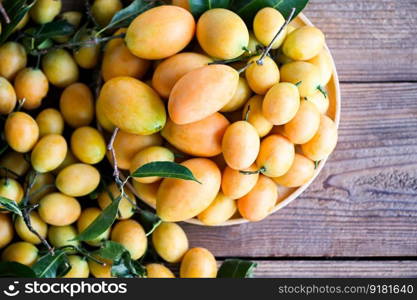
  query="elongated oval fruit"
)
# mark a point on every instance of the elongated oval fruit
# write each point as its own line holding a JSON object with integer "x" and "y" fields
{"x": 79, "y": 267}
{"x": 276, "y": 155}
{"x": 50, "y": 121}
{"x": 219, "y": 211}
{"x": 179, "y": 200}
{"x": 260, "y": 201}
{"x": 305, "y": 75}
{"x": 11, "y": 189}
{"x": 222, "y": 33}
{"x": 240, "y": 145}
{"x": 170, "y": 242}
{"x": 253, "y": 113}
{"x": 21, "y": 131}
{"x": 88, "y": 145}
{"x": 324, "y": 62}
{"x": 198, "y": 263}
{"x": 6, "y": 230}
{"x": 21, "y": 252}
{"x": 301, "y": 171}
{"x": 266, "y": 24}
{"x": 304, "y": 43}
{"x": 168, "y": 72}
{"x": 235, "y": 184}
{"x": 132, "y": 236}
{"x": 132, "y": 106}
{"x": 202, "y": 138}
{"x": 31, "y": 85}
{"x": 13, "y": 58}
{"x": 261, "y": 77}
{"x": 25, "y": 234}
{"x": 201, "y": 93}
{"x": 77, "y": 105}
{"x": 160, "y": 32}
{"x": 158, "y": 271}
{"x": 241, "y": 96}
{"x": 324, "y": 142}
{"x": 59, "y": 210}
{"x": 49, "y": 153}
{"x": 60, "y": 68}
{"x": 78, "y": 180}
{"x": 281, "y": 103}
{"x": 8, "y": 97}
{"x": 304, "y": 125}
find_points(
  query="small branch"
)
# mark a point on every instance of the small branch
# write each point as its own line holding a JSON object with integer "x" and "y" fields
{"x": 116, "y": 173}
{"x": 4, "y": 14}
{"x": 245, "y": 67}
{"x": 260, "y": 61}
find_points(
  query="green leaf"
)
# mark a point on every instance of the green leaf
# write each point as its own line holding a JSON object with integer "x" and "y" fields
{"x": 247, "y": 9}
{"x": 16, "y": 9}
{"x": 164, "y": 169}
{"x": 52, "y": 265}
{"x": 125, "y": 16}
{"x": 198, "y": 7}
{"x": 110, "y": 250}
{"x": 149, "y": 221}
{"x": 236, "y": 268}
{"x": 10, "y": 205}
{"x": 15, "y": 270}
{"x": 103, "y": 222}
{"x": 125, "y": 267}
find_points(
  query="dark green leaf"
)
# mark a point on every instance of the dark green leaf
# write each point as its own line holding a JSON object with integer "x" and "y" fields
{"x": 10, "y": 205}
{"x": 125, "y": 267}
{"x": 52, "y": 265}
{"x": 198, "y": 7}
{"x": 149, "y": 221}
{"x": 15, "y": 270}
{"x": 101, "y": 223}
{"x": 3, "y": 148}
{"x": 236, "y": 268}
{"x": 164, "y": 169}
{"x": 247, "y": 9}
{"x": 50, "y": 30}
{"x": 110, "y": 250}
{"x": 16, "y": 9}
{"x": 125, "y": 16}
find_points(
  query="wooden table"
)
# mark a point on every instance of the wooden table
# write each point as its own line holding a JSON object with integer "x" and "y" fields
{"x": 359, "y": 218}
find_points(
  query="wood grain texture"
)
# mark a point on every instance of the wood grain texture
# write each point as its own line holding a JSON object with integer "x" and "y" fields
{"x": 364, "y": 203}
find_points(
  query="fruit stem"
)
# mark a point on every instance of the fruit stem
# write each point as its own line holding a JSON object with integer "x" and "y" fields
{"x": 245, "y": 68}
{"x": 322, "y": 90}
{"x": 4, "y": 14}
{"x": 261, "y": 170}
{"x": 260, "y": 61}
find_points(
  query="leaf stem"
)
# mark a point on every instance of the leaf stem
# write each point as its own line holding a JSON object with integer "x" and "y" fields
{"x": 4, "y": 14}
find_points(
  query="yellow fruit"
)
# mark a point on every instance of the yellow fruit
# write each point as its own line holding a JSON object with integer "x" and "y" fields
{"x": 262, "y": 77}
{"x": 201, "y": 93}
{"x": 31, "y": 85}
{"x": 59, "y": 210}
{"x": 202, "y": 138}
{"x": 88, "y": 145}
{"x": 38, "y": 225}
{"x": 160, "y": 32}
{"x": 98, "y": 270}
{"x": 126, "y": 208}
{"x": 324, "y": 62}
{"x": 8, "y": 97}
{"x": 253, "y": 110}
{"x": 275, "y": 156}
{"x": 6, "y": 230}
{"x": 170, "y": 242}
{"x": 304, "y": 43}
{"x": 260, "y": 201}
{"x": 148, "y": 155}
{"x": 281, "y": 103}
{"x": 60, "y": 68}
{"x": 266, "y": 24}
{"x": 77, "y": 105}
{"x": 15, "y": 162}
{"x": 240, "y": 145}
{"x": 87, "y": 216}
{"x": 301, "y": 172}
{"x": 198, "y": 263}
{"x": 147, "y": 192}
{"x": 179, "y": 200}
{"x": 49, "y": 153}
{"x": 303, "y": 74}
{"x": 169, "y": 71}
{"x": 126, "y": 145}
{"x": 50, "y": 121}
{"x": 11, "y": 189}
{"x": 21, "y": 132}
{"x": 222, "y": 33}
{"x": 324, "y": 142}
{"x": 44, "y": 11}
{"x": 304, "y": 125}
{"x": 132, "y": 106}
{"x": 102, "y": 120}
{"x": 78, "y": 180}
{"x": 13, "y": 58}
{"x": 235, "y": 184}
{"x": 254, "y": 45}
{"x": 320, "y": 101}
{"x": 43, "y": 185}
{"x": 21, "y": 252}
{"x": 79, "y": 267}
{"x": 104, "y": 10}
{"x": 70, "y": 159}
{"x": 87, "y": 56}
{"x": 158, "y": 271}
{"x": 242, "y": 94}
{"x": 219, "y": 211}
{"x": 131, "y": 235}
{"x": 60, "y": 236}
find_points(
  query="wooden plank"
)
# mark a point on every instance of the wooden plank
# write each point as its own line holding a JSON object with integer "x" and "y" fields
{"x": 371, "y": 40}
{"x": 364, "y": 201}
{"x": 334, "y": 269}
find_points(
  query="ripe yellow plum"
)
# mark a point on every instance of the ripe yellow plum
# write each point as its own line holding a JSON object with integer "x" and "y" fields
{"x": 304, "y": 43}
{"x": 198, "y": 263}
{"x": 303, "y": 74}
{"x": 21, "y": 132}
{"x": 261, "y": 77}
{"x": 88, "y": 145}
{"x": 170, "y": 242}
{"x": 266, "y": 24}
{"x": 58, "y": 209}
{"x": 235, "y": 184}
{"x": 77, "y": 105}
{"x": 301, "y": 172}
{"x": 31, "y": 85}
{"x": 253, "y": 113}
{"x": 49, "y": 153}
{"x": 50, "y": 121}
{"x": 78, "y": 180}
{"x": 8, "y": 97}
{"x": 219, "y": 211}
{"x": 131, "y": 235}
{"x": 60, "y": 68}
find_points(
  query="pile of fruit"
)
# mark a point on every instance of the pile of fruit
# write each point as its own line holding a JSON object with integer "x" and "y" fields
{"x": 196, "y": 112}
